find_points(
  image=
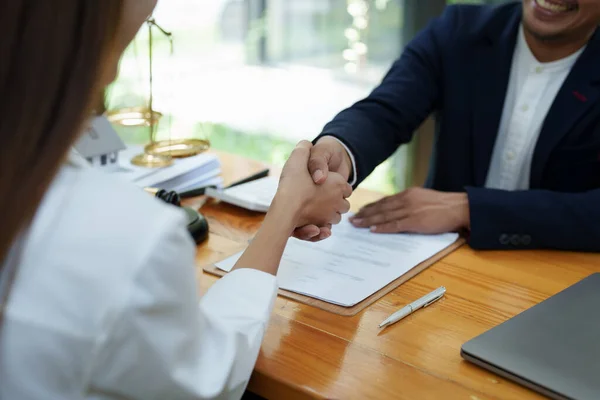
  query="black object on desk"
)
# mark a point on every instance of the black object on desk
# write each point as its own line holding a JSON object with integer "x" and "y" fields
{"x": 254, "y": 177}
{"x": 197, "y": 225}
{"x": 201, "y": 190}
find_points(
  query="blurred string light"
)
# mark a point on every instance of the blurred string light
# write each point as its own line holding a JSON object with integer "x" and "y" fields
{"x": 355, "y": 53}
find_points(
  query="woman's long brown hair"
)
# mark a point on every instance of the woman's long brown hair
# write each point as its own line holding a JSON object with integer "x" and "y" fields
{"x": 52, "y": 53}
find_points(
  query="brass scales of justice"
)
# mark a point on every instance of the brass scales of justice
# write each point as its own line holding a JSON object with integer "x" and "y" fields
{"x": 157, "y": 153}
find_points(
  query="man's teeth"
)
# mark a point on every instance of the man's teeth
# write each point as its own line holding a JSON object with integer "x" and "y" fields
{"x": 554, "y": 7}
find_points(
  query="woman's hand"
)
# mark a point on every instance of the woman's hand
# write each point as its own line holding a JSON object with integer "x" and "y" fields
{"x": 298, "y": 202}
{"x": 306, "y": 202}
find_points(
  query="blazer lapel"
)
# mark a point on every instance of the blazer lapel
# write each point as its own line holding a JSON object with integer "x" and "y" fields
{"x": 578, "y": 94}
{"x": 491, "y": 78}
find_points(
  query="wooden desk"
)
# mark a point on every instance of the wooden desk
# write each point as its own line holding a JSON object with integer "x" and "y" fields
{"x": 309, "y": 353}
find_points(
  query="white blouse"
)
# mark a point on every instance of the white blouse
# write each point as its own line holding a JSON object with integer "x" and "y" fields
{"x": 105, "y": 304}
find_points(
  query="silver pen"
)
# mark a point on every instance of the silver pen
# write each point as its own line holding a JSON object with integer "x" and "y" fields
{"x": 414, "y": 306}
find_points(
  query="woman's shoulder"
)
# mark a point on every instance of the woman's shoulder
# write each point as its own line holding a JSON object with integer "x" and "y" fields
{"x": 91, "y": 238}
{"x": 102, "y": 218}
{"x": 91, "y": 242}
{"x": 111, "y": 196}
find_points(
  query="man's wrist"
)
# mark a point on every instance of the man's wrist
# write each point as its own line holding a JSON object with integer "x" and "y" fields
{"x": 463, "y": 210}
{"x": 349, "y": 164}
{"x": 349, "y": 160}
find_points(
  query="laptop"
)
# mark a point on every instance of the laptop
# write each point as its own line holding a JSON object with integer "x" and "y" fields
{"x": 552, "y": 348}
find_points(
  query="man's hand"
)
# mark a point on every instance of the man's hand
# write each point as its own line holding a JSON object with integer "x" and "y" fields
{"x": 327, "y": 155}
{"x": 416, "y": 210}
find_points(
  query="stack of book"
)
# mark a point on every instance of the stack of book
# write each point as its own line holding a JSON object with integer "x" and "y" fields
{"x": 184, "y": 174}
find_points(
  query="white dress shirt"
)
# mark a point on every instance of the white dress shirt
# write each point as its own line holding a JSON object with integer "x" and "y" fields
{"x": 532, "y": 88}
{"x": 105, "y": 304}
{"x": 531, "y": 92}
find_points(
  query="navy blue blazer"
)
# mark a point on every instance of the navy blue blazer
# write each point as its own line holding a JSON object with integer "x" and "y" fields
{"x": 458, "y": 68}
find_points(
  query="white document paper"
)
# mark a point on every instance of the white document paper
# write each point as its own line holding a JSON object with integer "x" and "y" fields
{"x": 255, "y": 195}
{"x": 352, "y": 264}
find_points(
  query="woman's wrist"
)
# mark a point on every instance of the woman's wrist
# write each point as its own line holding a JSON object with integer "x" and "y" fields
{"x": 285, "y": 210}
{"x": 264, "y": 253}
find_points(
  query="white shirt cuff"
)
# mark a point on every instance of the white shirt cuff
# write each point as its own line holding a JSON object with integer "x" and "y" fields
{"x": 243, "y": 294}
{"x": 354, "y": 175}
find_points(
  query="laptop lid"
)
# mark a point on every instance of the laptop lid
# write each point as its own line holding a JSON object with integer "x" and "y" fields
{"x": 553, "y": 348}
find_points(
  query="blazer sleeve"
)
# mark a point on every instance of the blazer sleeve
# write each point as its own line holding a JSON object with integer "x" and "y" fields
{"x": 170, "y": 343}
{"x": 534, "y": 219}
{"x": 374, "y": 127}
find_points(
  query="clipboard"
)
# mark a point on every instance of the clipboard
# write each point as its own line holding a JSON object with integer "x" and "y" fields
{"x": 351, "y": 311}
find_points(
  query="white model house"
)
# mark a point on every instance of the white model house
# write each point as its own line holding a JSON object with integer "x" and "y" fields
{"x": 100, "y": 144}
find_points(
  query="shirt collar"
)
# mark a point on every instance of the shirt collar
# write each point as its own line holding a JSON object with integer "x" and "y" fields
{"x": 564, "y": 64}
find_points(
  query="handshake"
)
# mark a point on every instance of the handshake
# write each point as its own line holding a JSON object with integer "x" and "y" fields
{"x": 313, "y": 188}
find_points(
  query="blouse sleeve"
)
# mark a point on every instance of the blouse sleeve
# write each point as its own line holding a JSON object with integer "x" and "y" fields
{"x": 168, "y": 343}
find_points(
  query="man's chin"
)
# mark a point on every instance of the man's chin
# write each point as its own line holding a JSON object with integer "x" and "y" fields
{"x": 544, "y": 34}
